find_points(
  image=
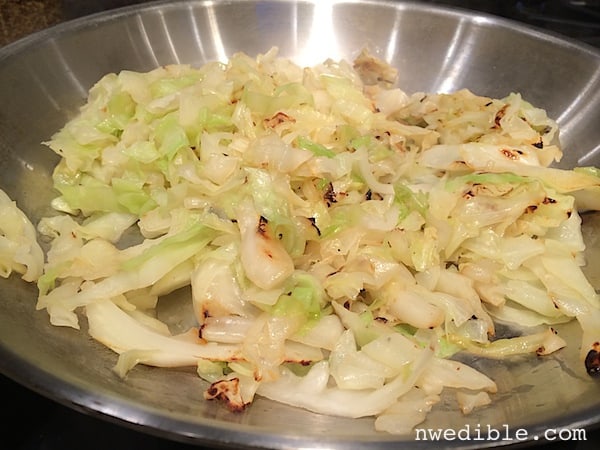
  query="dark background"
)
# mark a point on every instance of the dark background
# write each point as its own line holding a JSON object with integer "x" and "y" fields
{"x": 29, "y": 421}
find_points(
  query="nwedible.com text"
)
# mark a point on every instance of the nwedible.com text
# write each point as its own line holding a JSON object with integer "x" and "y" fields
{"x": 503, "y": 433}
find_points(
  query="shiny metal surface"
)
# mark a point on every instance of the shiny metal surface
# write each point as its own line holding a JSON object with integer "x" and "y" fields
{"x": 44, "y": 79}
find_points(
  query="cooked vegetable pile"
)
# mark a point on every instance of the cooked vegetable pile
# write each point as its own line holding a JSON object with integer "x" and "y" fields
{"x": 340, "y": 239}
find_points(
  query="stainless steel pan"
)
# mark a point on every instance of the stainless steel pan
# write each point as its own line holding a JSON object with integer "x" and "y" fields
{"x": 45, "y": 77}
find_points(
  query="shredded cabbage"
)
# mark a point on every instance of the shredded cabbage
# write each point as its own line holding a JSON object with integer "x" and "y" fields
{"x": 342, "y": 240}
{"x": 19, "y": 248}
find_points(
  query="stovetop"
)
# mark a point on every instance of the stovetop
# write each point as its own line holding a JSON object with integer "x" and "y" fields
{"x": 32, "y": 422}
